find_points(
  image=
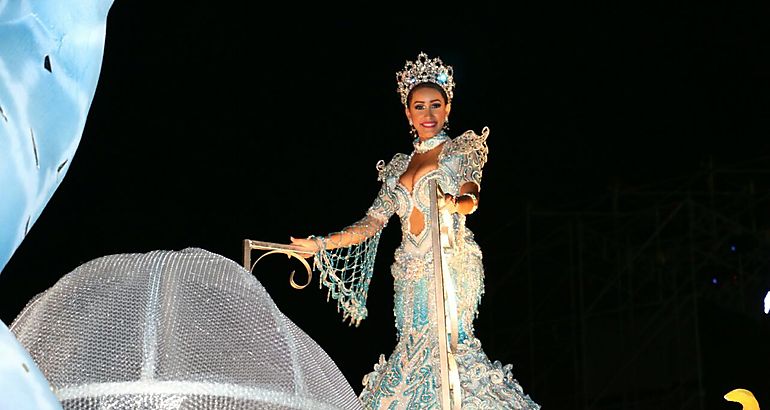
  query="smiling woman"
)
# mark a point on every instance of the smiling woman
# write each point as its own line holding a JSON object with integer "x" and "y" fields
{"x": 436, "y": 281}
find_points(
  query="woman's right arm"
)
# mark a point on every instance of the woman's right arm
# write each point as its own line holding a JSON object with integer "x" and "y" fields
{"x": 352, "y": 235}
{"x": 344, "y": 260}
{"x": 375, "y": 220}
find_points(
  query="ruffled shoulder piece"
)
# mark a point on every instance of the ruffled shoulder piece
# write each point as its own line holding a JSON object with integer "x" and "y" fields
{"x": 394, "y": 168}
{"x": 467, "y": 143}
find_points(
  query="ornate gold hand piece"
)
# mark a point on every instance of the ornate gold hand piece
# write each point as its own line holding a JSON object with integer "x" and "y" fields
{"x": 291, "y": 251}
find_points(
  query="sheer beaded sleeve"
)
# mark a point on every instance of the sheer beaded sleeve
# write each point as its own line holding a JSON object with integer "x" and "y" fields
{"x": 345, "y": 261}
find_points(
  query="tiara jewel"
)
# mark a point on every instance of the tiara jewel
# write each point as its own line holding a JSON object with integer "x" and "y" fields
{"x": 425, "y": 70}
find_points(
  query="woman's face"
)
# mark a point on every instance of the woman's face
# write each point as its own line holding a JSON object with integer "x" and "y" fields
{"x": 427, "y": 111}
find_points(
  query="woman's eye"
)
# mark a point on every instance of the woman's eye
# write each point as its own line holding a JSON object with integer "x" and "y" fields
{"x": 419, "y": 107}
{"x": 436, "y": 106}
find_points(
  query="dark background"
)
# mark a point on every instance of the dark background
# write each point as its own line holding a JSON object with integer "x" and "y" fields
{"x": 213, "y": 123}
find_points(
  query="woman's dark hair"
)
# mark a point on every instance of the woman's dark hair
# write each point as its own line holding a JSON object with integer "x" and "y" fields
{"x": 427, "y": 85}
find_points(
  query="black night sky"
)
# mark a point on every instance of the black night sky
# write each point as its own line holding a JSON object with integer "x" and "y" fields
{"x": 213, "y": 123}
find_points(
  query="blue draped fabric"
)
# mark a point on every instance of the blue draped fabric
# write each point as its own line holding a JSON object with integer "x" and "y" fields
{"x": 50, "y": 59}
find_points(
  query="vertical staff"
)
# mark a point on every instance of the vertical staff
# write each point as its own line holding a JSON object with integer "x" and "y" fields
{"x": 450, "y": 386}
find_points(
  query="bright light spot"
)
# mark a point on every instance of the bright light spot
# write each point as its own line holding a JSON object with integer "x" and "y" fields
{"x": 714, "y": 280}
{"x": 732, "y": 248}
{"x": 744, "y": 397}
{"x": 767, "y": 302}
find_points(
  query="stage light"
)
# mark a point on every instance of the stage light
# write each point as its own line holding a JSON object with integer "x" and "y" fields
{"x": 744, "y": 397}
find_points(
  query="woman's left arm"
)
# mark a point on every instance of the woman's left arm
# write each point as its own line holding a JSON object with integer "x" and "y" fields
{"x": 466, "y": 202}
{"x": 471, "y": 151}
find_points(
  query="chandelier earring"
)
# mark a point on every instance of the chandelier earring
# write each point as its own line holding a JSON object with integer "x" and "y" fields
{"x": 412, "y": 130}
{"x": 446, "y": 124}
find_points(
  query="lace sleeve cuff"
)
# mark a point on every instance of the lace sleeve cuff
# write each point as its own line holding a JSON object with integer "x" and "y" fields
{"x": 347, "y": 271}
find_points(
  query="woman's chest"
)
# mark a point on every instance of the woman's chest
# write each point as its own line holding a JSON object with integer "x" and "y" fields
{"x": 418, "y": 167}
{"x": 413, "y": 189}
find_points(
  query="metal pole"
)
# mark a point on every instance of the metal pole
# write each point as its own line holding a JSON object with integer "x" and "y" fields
{"x": 438, "y": 280}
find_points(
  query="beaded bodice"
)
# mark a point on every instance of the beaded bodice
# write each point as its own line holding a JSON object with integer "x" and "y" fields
{"x": 460, "y": 160}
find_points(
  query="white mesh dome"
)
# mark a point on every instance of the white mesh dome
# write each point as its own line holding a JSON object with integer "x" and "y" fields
{"x": 183, "y": 329}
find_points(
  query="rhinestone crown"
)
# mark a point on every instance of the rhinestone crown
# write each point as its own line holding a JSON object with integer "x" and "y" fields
{"x": 424, "y": 70}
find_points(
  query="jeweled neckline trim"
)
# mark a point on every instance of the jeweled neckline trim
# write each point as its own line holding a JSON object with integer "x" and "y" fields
{"x": 421, "y": 147}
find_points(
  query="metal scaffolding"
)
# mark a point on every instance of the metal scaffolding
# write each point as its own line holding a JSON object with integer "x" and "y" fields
{"x": 616, "y": 290}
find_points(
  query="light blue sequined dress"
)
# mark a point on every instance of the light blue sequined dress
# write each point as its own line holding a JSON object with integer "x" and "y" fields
{"x": 410, "y": 378}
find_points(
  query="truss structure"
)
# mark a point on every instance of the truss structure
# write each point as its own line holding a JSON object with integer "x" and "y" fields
{"x": 617, "y": 290}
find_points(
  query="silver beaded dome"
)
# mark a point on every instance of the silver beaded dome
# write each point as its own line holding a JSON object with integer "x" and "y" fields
{"x": 174, "y": 330}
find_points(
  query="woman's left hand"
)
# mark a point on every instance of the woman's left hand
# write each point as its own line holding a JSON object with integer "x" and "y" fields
{"x": 449, "y": 202}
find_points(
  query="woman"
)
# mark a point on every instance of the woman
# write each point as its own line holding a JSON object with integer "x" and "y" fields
{"x": 410, "y": 377}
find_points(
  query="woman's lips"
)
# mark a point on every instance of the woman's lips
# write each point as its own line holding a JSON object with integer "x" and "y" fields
{"x": 429, "y": 124}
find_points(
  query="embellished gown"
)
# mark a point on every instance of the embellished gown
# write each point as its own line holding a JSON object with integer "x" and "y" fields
{"x": 410, "y": 377}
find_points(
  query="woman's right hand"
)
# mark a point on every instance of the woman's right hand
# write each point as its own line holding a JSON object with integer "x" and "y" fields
{"x": 312, "y": 246}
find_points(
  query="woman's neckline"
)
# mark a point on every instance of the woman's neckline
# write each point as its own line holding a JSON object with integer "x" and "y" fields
{"x": 427, "y": 145}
